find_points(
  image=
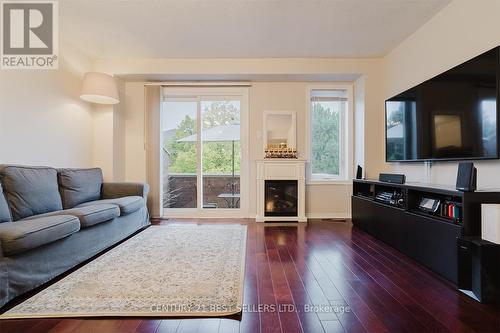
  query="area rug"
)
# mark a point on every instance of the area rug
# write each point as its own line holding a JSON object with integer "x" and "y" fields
{"x": 192, "y": 270}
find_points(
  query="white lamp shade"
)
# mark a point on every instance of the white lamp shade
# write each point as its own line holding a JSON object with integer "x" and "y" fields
{"x": 99, "y": 88}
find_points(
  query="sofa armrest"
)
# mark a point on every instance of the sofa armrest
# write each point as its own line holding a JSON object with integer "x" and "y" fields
{"x": 118, "y": 190}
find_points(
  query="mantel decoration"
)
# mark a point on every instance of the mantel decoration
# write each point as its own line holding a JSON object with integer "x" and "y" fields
{"x": 281, "y": 152}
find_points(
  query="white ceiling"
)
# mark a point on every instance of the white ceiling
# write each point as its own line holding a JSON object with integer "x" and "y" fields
{"x": 242, "y": 28}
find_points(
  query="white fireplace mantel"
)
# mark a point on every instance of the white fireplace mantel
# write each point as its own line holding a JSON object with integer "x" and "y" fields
{"x": 281, "y": 169}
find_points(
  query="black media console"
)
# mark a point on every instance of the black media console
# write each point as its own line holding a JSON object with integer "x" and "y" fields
{"x": 421, "y": 221}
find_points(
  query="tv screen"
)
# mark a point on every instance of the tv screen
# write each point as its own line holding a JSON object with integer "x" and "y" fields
{"x": 452, "y": 116}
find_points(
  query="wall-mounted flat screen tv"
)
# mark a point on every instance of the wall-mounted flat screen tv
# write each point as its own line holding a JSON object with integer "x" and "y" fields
{"x": 452, "y": 116}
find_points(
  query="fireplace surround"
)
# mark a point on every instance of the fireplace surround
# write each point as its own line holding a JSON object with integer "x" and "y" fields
{"x": 280, "y": 190}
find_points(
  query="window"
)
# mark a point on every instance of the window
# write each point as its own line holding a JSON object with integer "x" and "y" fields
{"x": 203, "y": 150}
{"x": 329, "y": 142}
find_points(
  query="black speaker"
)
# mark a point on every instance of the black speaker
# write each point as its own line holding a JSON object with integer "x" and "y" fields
{"x": 466, "y": 177}
{"x": 478, "y": 269}
{"x": 359, "y": 172}
{"x": 392, "y": 178}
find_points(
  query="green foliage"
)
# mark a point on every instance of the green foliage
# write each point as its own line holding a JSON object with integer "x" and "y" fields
{"x": 216, "y": 156}
{"x": 325, "y": 140}
{"x": 182, "y": 154}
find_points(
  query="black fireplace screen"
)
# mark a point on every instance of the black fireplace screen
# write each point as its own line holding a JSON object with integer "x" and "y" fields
{"x": 281, "y": 198}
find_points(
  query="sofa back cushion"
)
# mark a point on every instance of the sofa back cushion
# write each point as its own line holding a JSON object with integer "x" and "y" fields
{"x": 79, "y": 185}
{"x": 4, "y": 208}
{"x": 30, "y": 190}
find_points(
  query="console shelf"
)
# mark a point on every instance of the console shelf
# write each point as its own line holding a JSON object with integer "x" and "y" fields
{"x": 428, "y": 237}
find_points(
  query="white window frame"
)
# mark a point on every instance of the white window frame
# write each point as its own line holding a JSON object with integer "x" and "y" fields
{"x": 347, "y": 137}
{"x": 201, "y": 94}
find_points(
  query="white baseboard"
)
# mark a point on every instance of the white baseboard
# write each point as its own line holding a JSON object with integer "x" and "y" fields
{"x": 316, "y": 216}
{"x": 328, "y": 215}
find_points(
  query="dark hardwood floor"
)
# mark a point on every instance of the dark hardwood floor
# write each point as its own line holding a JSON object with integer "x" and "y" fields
{"x": 319, "y": 277}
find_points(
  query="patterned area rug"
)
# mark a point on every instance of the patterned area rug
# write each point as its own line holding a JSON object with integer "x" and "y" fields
{"x": 192, "y": 270}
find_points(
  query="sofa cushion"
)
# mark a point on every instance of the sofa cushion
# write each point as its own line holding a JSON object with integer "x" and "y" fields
{"x": 95, "y": 214}
{"x": 30, "y": 190}
{"x": 127, "y": 205}
{"x": 21, "y": 236}
{"x": 79, "y": 185}
{"x": 88, "y": 215}
{"x": 4, "y": 208}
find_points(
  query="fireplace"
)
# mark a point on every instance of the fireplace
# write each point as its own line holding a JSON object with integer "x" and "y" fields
{"x": 281, "y": 198}
{"x": 281, "y": 190}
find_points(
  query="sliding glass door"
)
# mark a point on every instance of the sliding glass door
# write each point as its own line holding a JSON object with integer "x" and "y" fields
{"x": 179, "y": 154}
{"x": 221, "y": 153}
{"x": 203, "y": 150}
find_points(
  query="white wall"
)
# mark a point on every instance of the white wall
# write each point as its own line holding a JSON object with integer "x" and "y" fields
{"x": 461, "y": 31}
{"x": 135, "y": 147}
{"x": 103, "y": 129}
{"x": 359, "y": 122}
{"x": 322, "y": 200}
{"x": 119, "y": 134}
{"x": 109, "y": 137}
{"x": 42, "y": 120}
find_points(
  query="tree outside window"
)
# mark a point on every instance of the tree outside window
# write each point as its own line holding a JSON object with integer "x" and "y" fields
{"x": 328, "y": 110}
{"x": 217, "y": 156}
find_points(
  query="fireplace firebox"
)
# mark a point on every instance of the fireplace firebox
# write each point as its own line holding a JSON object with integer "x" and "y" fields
{"x": 281, "y": 190}
{"x": 281, "y": 198}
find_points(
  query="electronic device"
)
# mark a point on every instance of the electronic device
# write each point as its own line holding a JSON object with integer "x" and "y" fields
{"x": 391, "y": 198}
{"x": 452, "y": 116}
{"x": 429, "y": 205}
{"x": 359, "y": 172}
{"x": 478, "y": 269}
{"x": 392, "y": 178}
{"x": 466, "y": 177}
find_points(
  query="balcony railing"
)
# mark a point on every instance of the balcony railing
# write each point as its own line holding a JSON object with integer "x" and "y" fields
{"x": 179, "y": 190}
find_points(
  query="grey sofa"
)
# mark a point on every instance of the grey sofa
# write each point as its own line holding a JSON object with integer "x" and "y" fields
{"x": 52, "y": 220}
